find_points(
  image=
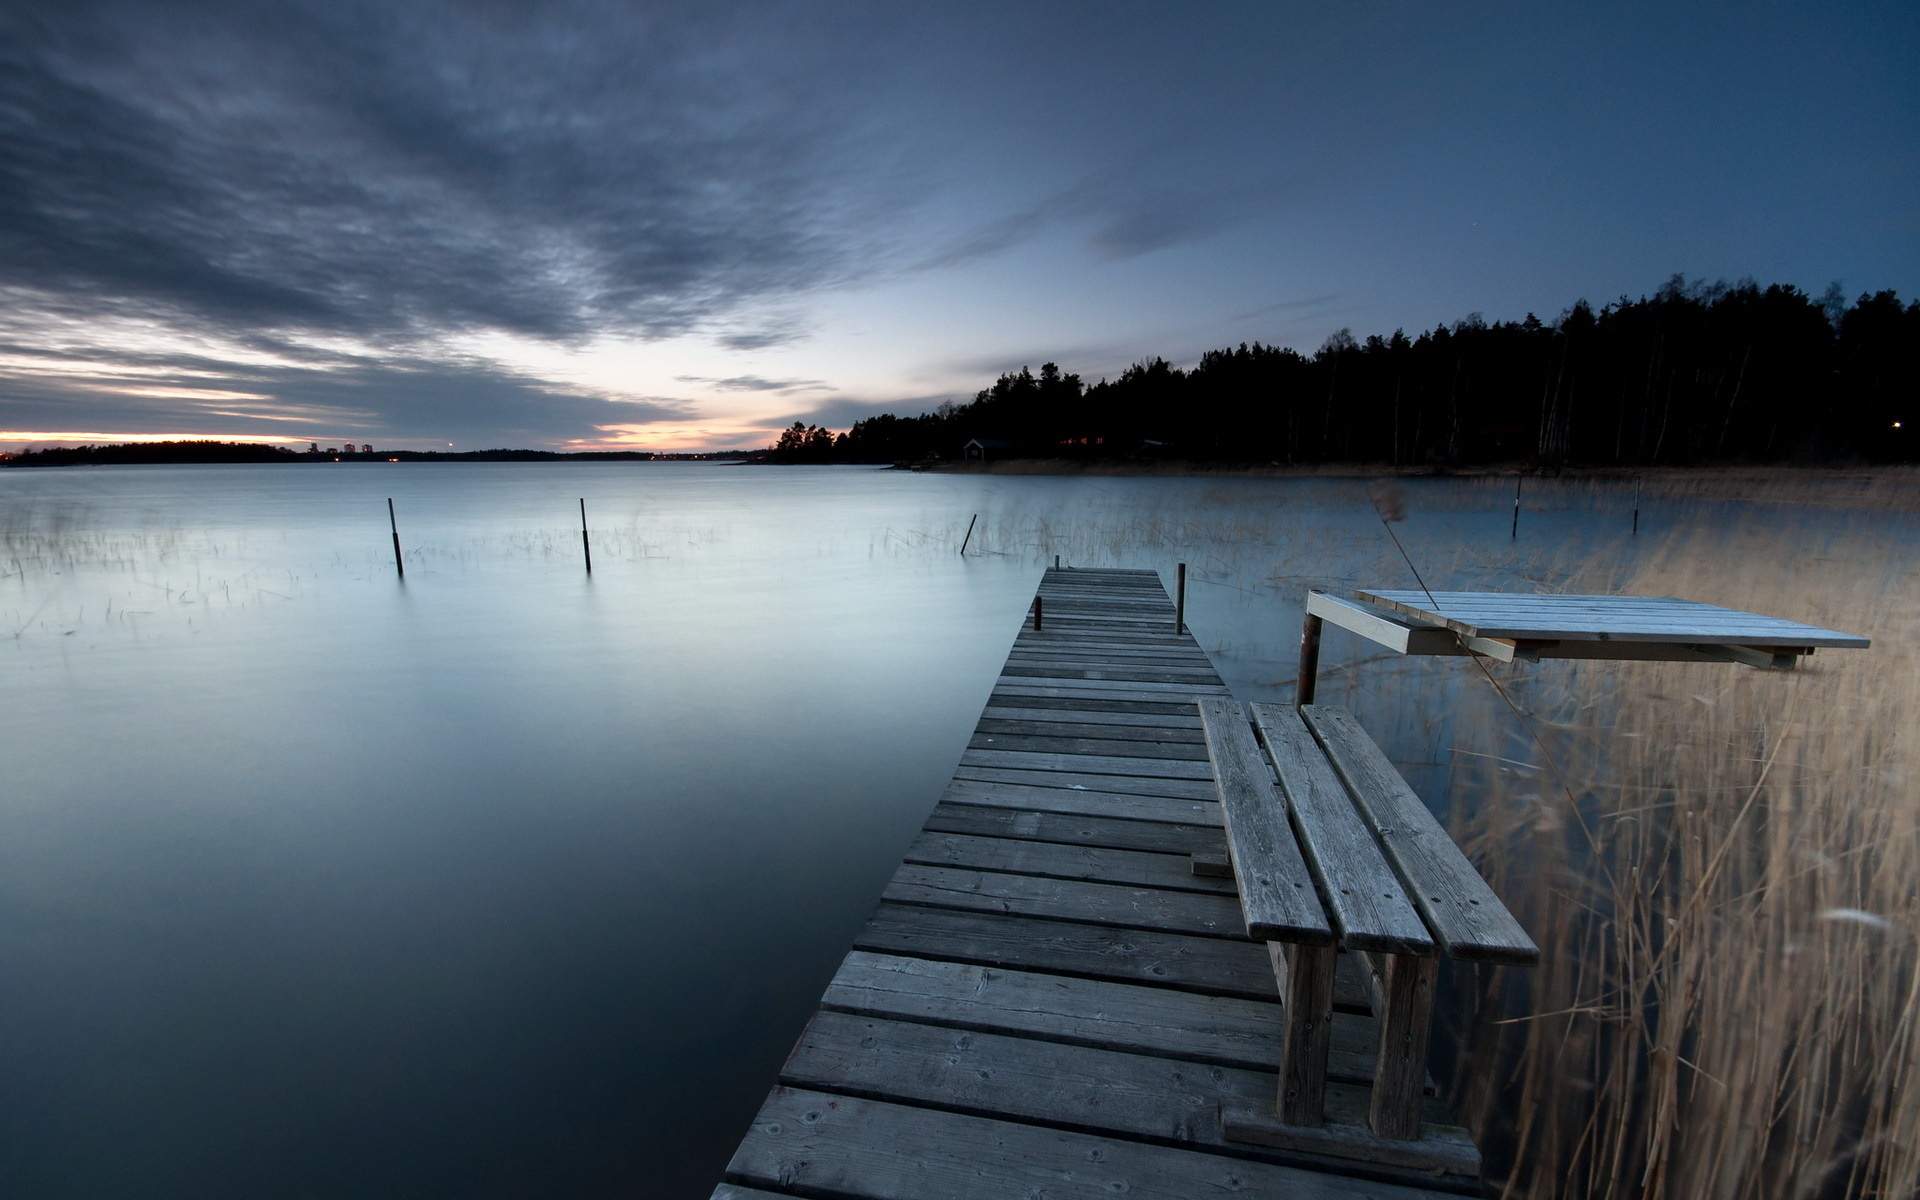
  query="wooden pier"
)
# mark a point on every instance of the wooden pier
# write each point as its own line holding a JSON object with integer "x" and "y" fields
{"x": 1049, "y": 1000}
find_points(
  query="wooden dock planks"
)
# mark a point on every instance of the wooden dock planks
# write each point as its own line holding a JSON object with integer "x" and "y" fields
{"x": 1048, "y": 1001}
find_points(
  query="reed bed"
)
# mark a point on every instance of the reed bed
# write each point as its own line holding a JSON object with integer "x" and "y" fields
{"x": 1722, "y": 867}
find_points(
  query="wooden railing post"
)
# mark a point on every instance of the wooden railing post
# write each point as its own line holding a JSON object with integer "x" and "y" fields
{"x": 1303, "y": 688}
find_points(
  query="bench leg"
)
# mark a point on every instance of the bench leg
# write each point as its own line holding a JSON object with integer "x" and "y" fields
{"x": 1305, "y": 975}
{"x": 1405, "y": 1013}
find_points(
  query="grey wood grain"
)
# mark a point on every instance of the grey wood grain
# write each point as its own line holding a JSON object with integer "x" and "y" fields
{"x": 1405, "y": 1021}
{"x": 1368, "y": 905}
{"x": 1467, "y": 919}
{"x": 1157, "y": 958}
{"x": 1083, "y": 802}
{"x": 1117, "y": 689}
{"x": 1105, "y": 725}
{"x": 1305, "y": 975}
{"x": 1215, "y": 1030}
{"x": 1065, "y": 900}
{"x": 1079, "y": 829}
{"x": 1589, "y": 618}
{"x": 1092, "y": 1090}
{"x": 1088, "y": 764}
{"x": 1132, "y": 868}
{"x": 1057, "y": 743}
{"x": 1029, "y": 691}
{"x": 1276, "y": 891}
{"x": 1180, "y": 789}
{"x": 824, "y": 1144}
{"x": 1186, "y": 724}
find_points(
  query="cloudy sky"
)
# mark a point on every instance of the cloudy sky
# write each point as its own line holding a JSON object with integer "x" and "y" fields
{"x": 590, "y": 223}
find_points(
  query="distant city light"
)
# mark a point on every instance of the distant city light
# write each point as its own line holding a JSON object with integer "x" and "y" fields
{"x": 1896, "y": 424}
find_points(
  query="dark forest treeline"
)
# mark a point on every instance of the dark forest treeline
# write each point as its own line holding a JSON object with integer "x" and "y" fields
{"x": 1693, "y": 374}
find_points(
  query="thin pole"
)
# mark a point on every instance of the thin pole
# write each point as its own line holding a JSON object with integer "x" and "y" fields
{"x": 1636, "y": 504}
{"x": 1516, "y": 506}
{"x": 394, "y": 524}
{"x": 584, "y": 547}
{"x": 969, "y": 537}
{"x": 1039, "y": 610}
{"x": 1303, "y": 688}
{"x": 1056, "y": 562}
{"x": 1180, "y": 600}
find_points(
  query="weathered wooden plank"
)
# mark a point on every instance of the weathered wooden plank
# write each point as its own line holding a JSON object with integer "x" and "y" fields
{"x": 1083, "y": 801}
{"x": 1305, "y": 975}
{"x": 1197, "y": 677}
{"x": 1117, "y": 689}
{"x": 1120, "y": 706}
{"x": 1365, "y": 900}
{"x": 1078, "y": 829}
{"x": 1088, "y": 764}
{"x": 1276, "y": 891}
{"x": 1051, "y": 725}
{"x": 1600, "y": 618}
{"x": 1024, "y": 693}
{"x": 1132, "y": 868}
{"x": 728, "y": 1191}
{"x": 1215, "y": 966}
{"x": 1396, "y": 631}
{"x": 1172, "y": 724}
{"x": 1465, "y": 916}
{"x": 1406, "y": 986}
{"x": 1080, "y": 1087}
{"x": 845, "y": 1146}
{"x": 1181, "y": 789}
{"x": 1217, "y": 1030}
{"x": 1065, "y": 900}
{"x": 1061, "y": 743}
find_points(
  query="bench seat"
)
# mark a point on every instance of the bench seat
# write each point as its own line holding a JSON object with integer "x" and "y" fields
{"x": 1333, "y": 852}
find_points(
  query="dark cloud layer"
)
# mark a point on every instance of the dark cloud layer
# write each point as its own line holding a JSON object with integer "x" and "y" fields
{"x": 392, "y": 171}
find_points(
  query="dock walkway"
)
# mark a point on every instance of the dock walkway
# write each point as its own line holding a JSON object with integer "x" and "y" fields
{"x": 1048, "y": 1002}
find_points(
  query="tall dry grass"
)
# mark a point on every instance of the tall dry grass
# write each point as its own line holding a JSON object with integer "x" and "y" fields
{"x": 1722, "y": 867}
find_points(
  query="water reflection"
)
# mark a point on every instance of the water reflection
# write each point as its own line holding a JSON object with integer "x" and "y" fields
{"x": 509, "y": 880}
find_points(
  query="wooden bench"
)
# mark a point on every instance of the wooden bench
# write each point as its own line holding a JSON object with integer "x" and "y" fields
{"x": 1342, "y": 856}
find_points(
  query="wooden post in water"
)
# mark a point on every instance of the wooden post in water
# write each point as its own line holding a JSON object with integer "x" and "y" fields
{"x": 969, "y": 537}
{"x": 1516, "y": 507}
{"x": 1303, "y": 687}
{"x": 1180, "y": 599}
{"x": 1038, "y": 612}
{"x": 1636, "y": 504}
{"x": 1056, "y": 562}
{"x": 584, "y": 547}
{"x": 394, "y": 525}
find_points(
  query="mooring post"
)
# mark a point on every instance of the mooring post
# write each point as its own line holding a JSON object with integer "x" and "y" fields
{"x": 394, "y": 525}
{"x": 1309, "y": 660}
{"x": 1180, "y": 599}
{"x": 969, "y": 537}
{"x": 1039, "y": 610}
{"x": 584, "y": 547}
{"x": 1636, "y": 504}
{"x": 1056, "y": 562}
{"x": 1515, "y": 535}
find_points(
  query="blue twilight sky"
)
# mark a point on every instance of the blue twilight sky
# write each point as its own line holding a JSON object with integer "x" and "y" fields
{"x": 590, "y": 223}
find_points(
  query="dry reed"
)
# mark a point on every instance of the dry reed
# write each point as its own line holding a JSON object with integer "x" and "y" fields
{"x": 1724, "y": 876}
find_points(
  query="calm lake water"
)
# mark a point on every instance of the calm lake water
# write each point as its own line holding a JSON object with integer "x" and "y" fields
{"x": 504, "y": 880}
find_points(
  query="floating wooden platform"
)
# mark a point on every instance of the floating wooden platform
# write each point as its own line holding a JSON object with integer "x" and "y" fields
{"x": 1048, "y": 1001}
